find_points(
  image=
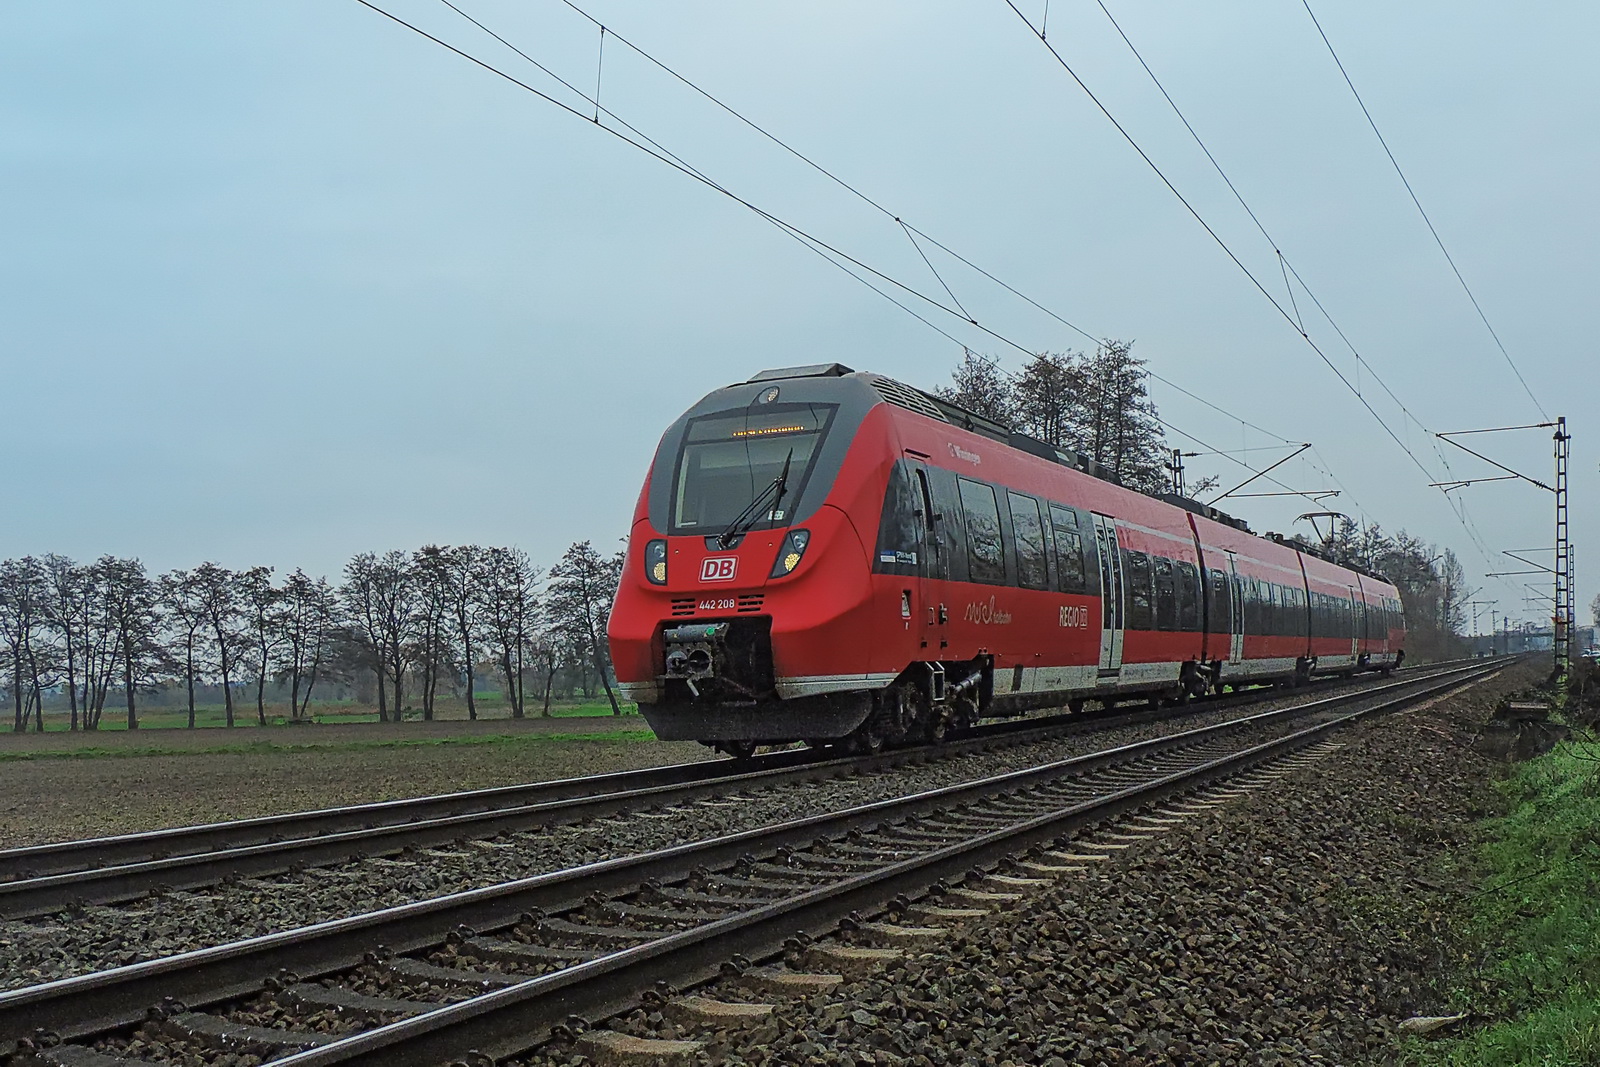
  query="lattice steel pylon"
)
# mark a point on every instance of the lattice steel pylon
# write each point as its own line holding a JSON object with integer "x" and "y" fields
{"x": 1564, "y": 614}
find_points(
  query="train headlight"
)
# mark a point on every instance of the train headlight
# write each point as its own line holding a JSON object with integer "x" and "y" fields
{"x": 655, "y": 562}
{"x": 790, "y": 552}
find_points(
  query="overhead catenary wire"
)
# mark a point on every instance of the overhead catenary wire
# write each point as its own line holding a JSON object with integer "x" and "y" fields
{"x": 822, "y": 248}
{"x": 835, "y": 256}
{"x": 662, "y": 155}
{"x": 911, "y": 231}
{"x": 1216, "y": 237}
{"x": 1293, "y": 320}
{"x": 1288, "y": 269}
{"x": 1422, "y": 211}
{"x": 832, "y": 254}
{"x": 827, "y": 173}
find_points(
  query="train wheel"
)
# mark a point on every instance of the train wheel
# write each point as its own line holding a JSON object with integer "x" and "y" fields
{"x": 964, "y": 712}
{"x": 938, "y": 727}
{"x": 867, "y": 741}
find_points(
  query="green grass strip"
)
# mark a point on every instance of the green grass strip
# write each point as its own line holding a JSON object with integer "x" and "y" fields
{"x": 1531, "y": 948}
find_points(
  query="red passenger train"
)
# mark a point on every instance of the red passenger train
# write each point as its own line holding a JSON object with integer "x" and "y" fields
{"x": 821, "y": 555}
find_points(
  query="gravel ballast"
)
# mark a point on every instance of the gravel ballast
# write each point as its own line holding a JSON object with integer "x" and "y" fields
{"x": 95, "y": 938}
{"x": 1294, "y": 925}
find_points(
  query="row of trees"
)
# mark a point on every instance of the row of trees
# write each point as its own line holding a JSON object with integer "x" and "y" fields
{"x": 1095, "y": 404}
{"x": 415, "y": 623}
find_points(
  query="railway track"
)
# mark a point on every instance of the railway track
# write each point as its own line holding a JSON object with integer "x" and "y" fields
{"x": 499, "y": 970}
{"x": 42, "y": 879}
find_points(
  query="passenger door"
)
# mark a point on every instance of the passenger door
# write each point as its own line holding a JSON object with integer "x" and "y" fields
{"x": 1357, "y": 622}
{"x": 1111, "y": 595}
{"x": 935, "y": 562}
{"x": 1236, "y": 609}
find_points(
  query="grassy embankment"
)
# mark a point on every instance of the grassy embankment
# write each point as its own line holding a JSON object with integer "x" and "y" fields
{"x": 1530, "y": 933}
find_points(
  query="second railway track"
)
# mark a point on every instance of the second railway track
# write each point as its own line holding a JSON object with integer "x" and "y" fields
{"x": 41, "y": 879}
{"x": 499, "y": 969}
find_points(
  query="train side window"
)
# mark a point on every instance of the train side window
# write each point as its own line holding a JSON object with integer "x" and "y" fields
{"x": 986, "y": 559}
{"x": 1027, "y": 526}
{"x": 899, "y": 529}
{"x": 1069, "y": 549}
{"x": 1166, "y": 595}
{"x": 1221, "y": 614}
{"x": 1136, "y": 565}
{"x": 1188, "y": 597}
{"x": 952, "y": 530}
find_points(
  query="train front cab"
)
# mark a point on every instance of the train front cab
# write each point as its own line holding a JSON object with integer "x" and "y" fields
{"x": 763, "y": 630}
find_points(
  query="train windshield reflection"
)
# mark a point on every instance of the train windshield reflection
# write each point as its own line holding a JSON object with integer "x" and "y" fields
{"x": 729, "y": 457}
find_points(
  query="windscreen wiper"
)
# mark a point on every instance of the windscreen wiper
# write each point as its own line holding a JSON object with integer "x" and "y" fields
{"x": 747, "y": 518}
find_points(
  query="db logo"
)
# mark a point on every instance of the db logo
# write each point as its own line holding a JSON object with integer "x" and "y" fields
{"x": 719, "y": 569}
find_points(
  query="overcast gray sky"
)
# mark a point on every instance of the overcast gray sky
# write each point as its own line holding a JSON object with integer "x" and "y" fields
{"x": 281, "y": 282}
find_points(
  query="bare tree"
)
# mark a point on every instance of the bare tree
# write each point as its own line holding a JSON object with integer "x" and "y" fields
{"x": 24, "y": 597}
{"x": 259, "y": 602}
{"x": 216, "y": 590}
{"x": 102, "y": 662}
{"x": 1121, "y": 429}
{"x": 65, "y": 582}
{"x": 465, "y": 564}
{"x": 363, "y": 608}
{"x": 1096, "y": 405}
{"x": 381, "y": 599}
{"x": 434, "y": 576}
{"x": 507, "y": 588}
{"x": 978, "y": 385}
{"x": 186, "y": 615}
{"x": 77, "y": 645}
{"x": 546, "y": 656}
{"x": 578, "y": 602}
{"x": 133, "y": 611}
{"x": 1049, "y": 398}
{"x": 305, "y": 620}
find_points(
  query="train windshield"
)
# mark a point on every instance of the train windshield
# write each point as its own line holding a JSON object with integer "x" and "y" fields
{"x": 732, "y": 458}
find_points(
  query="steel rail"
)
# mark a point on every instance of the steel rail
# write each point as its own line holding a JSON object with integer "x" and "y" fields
{"x": 259, "y": 850}
{"x": 62, "y": 857}
{"x": 516, "y": 1018}
{"x": 95, "y": 1003}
